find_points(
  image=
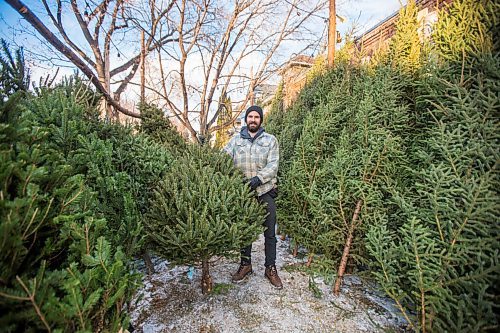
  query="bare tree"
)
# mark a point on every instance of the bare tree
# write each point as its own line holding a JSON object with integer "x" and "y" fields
{"x": 231, "y": 49}
{"x": 103, "y": 26}
{"x": 204, "y": 48}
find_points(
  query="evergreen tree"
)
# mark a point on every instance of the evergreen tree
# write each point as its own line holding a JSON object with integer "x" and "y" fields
{"x": 202, "y": 209}
{"x": 441, "y": 266}
{"x": 155, "y": 124}
{"x": 58, "y": 272}
{"x": 14, "y": 75}
{"x": 406, "y": 49}
{"x": 443, "y": 262}
{"x": 465, "y": 28}
{"x": 222, "y": 136}
{"x": 344, "y": 160}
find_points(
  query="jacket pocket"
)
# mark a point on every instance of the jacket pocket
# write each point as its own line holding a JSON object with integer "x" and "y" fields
{"x": 241, "y": 147}
{"x": 262, "y": 152}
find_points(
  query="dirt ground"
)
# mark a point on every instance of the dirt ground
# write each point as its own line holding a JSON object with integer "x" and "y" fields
{"x": 171, "y": 301}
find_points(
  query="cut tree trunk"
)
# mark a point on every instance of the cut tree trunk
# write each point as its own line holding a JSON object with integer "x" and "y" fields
{"x": 347, "y": 248}
{"x": 148, "y": 262}
{"x": 206, "y": 279}
{"x": 295, "y": 249}
{"x": 310, "y": 259}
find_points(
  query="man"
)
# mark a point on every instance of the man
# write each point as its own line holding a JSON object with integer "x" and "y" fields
{"x": 256, "y": 153}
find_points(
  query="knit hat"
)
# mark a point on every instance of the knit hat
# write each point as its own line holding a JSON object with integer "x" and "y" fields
{"x": 256, "y": 109}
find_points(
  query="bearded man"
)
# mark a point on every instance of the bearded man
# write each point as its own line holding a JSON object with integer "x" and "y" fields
{"x": 256, "y": 153}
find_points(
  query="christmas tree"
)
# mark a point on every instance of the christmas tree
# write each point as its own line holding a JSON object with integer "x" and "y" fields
{"x": 202, "y": 209}
{"x": 58, "y": 271}
{"x": 441, "y": 266}
{"x": 226, "y": 112}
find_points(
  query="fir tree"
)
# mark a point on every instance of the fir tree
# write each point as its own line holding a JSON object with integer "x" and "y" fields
{"x": 14, "y": 75}
{"x": 50, "y": 233}
{"x": 222, "y": 136}
{"x": 348, "y": 148}
{"x": 442, "y": 263}
{"x": 202, "y": 209}
{"x": 155, "y": 124}
{"x": 465, "y": 28}
{"x": 406, "y": 49}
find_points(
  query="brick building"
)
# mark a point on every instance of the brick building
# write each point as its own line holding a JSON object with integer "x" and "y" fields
{"x": 377, "y": 38}
{"x": 294, "y": 77}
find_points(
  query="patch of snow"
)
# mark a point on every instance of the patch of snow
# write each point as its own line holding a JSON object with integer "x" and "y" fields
{"x": 170, "y": 301}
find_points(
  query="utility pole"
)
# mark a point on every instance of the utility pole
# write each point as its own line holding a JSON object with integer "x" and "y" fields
{"x": 332, "y": 34}
{"x": 143, "y": 69}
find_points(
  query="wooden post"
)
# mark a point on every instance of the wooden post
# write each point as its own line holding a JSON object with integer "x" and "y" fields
{"x": 332, "y": 34}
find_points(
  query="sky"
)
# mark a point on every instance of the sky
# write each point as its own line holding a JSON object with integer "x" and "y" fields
{"x": 362, "y": 14}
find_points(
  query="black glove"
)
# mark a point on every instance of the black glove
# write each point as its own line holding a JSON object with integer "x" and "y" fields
{"x": 255, "y": 182}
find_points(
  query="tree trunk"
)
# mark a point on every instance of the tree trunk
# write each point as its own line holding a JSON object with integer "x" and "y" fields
{"x": 295, "y": 249}
{"x": 148, "y": 262}
{"x": 310, "y": 259}
{"x": 347, "y": 247}
{"x": 206, "y": 279}
{"x": 29, "y": 16}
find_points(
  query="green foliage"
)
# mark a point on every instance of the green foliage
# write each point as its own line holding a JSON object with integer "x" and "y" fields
{"x": 123, "y": 169}
{"x": 319, "y": 67}
{"x": 417, "y": 141}
{"x": 14, "y": 75}
{"x": 50, "y": 230}
{"x": 406, "y": 50}
{"x": 203, "y": 209}
{"x": 72, "y": 198}
{"x": 467, "y": 27}
{"x": 287, "y": 124}
{"x": 348, "y": 150}
{"x": 449, "y": 241}
{"x": 159, "y": 128}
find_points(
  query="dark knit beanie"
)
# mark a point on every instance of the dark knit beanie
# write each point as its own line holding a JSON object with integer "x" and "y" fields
{"x": 256, "y": 109}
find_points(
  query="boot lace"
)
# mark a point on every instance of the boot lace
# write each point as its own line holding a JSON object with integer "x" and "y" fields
{"x": 241, "y": 268}
{"x": 273, "y": 271}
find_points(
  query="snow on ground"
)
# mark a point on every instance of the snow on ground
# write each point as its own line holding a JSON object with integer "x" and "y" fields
{"x": 171, "y": 302}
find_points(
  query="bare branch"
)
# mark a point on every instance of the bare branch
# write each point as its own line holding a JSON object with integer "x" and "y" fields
{"x": 52, "y": 39}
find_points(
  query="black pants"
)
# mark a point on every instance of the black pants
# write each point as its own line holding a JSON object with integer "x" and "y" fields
{"x": 269, "y": 234}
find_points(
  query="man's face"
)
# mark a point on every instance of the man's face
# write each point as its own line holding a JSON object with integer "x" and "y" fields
{"x": 253, "y": 121}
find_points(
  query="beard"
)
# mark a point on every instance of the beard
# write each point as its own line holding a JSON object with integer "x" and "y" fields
{"x": 253, "y": 127}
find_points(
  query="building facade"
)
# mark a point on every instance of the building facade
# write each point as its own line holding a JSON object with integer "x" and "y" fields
{"x": 377, "y": 38}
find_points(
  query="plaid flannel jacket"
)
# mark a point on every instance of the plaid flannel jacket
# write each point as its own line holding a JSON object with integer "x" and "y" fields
{"x": 256, "y": 157}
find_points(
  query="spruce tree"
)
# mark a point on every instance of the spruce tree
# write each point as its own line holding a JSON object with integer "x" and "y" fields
{"x": 226, "y": 112}
{"x": 202, "y": 209}
{"x": 14, "y": 75}
{"x": 344, "y": 158}
{"x": 443, "y": 262}
{"x": 441, "y": 266}
{"x": 155, "y": 124}
{"x": 407, "y": 46}
{"x": 58, "y": 271}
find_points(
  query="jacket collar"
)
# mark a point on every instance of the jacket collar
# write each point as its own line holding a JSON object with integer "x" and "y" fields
{"x": 245, "y": 135}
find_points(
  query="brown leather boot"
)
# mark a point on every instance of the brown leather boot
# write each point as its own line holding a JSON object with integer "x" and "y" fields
{"x": 242, "y": 272}
{"x": 271, "y": 274}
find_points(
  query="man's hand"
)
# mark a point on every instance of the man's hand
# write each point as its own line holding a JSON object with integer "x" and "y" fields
{"x": 255, "y": 182}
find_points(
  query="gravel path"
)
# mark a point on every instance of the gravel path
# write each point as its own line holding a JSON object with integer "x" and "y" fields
{"x": 171, "y": 302}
